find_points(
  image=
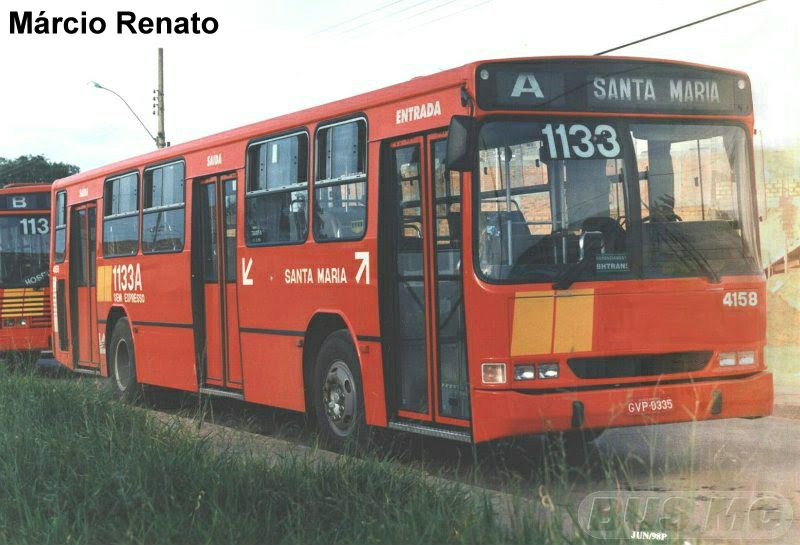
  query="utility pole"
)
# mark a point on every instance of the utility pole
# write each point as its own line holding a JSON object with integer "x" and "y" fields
{"x": 158, "y": 101}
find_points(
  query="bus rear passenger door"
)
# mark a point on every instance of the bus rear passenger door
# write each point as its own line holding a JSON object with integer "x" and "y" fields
{"x": 214, "y": 283}
{"x": 83, "y": 295}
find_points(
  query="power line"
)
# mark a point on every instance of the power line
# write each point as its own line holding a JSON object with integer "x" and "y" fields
{"x": 423, "y": 12}
{"x": 680, "y": 27}
{"x": 425, "y": 23}
{"x": 383, "y": 16}
{"x": 479, "y": 4}
{"x": 370, "y": 12}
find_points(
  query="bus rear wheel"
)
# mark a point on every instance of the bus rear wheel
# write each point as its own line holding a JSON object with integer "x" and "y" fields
{"x": 122, "y": 363}
{"x": 338, "y": 395}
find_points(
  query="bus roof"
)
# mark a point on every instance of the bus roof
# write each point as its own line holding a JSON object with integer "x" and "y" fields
{"x": 421, "y": 85}
{"x": 25, "y": 187}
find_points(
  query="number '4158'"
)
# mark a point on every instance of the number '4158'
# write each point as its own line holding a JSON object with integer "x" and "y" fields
{"x": 740, "y": 299}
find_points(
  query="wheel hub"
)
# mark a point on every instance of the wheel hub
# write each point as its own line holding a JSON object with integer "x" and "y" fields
{"x": 339, "y": 398}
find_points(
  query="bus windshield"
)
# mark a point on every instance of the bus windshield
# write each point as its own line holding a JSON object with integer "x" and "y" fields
{"x": 24, "y": 250}
{"x": 605, "y": 199}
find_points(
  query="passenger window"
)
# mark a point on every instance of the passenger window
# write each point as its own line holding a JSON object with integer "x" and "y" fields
{"x": 340, "y": 185}
{"x": 276, "y": 210}
{"x": 164, "y": 209}
{"x": 61, "y": 226}
{"x": 121, "y": 215}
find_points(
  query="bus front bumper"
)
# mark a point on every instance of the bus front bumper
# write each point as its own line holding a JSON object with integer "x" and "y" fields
{"x": 24, "y": 339}
{"x": 504, "y": 413}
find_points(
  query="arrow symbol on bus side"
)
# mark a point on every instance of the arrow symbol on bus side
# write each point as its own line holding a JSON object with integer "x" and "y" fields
{"x": 364, "y": 257}
{"x": 246, "y": 280}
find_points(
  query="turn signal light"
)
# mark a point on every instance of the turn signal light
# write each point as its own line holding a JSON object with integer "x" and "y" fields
{"x": 493, "y": 373}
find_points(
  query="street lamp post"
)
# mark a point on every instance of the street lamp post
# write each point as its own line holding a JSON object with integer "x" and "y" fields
{"x": 153, "y": 138}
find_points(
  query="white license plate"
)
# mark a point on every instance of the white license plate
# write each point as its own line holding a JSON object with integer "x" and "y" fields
{"x": 650, "y": 405}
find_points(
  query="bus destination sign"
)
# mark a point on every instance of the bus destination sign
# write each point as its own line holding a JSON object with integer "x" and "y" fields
{"x": 618, "y": 86}
{"x": 26, "y": 201}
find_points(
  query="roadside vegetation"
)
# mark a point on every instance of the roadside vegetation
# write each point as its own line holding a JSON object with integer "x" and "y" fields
{"x": 78, "y": 467}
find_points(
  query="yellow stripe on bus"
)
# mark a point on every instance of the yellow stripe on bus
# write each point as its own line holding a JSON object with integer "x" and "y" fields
{"x": 532, "y": 330}
{"x": 104, "y": 283}
{"x": 574, "y": 321}
{"x": 547, "y": 322}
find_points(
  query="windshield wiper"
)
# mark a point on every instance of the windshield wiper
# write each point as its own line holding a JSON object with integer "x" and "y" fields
{"x": 696, "y": 255}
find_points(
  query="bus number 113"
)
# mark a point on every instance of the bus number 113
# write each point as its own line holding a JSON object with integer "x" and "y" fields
{"x": 35, "y": 226}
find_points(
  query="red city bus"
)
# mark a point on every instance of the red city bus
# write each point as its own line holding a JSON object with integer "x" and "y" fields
{"x": 580, "y": 253}
{"x": 24, "y": 286}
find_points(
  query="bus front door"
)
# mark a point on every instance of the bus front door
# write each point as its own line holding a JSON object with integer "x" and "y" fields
{"x": 82, "y": 285}
{"x": 422, "y": 308}
{"x": 214, "y": 283}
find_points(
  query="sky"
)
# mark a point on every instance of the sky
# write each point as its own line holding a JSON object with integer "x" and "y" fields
{"x": 270, "y": 58}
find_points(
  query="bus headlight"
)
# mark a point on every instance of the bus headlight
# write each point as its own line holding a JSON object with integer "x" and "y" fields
{"x": 726, "y": 359}
{"x": 8, "y": 322}
{"x": 524, "y": 372}
{"x": 493, "y": 373}
{"x": 548, "y": 370}
{"x": 23, "y": 322}
{"x": 747, "y": 357}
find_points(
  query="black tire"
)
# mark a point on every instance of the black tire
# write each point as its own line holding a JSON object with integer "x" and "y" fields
{"x": 338, "y": 396}
{"x": 122, "y": 363}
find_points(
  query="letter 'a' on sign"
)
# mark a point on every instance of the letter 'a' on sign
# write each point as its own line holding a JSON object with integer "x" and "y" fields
{"x": 526, "y": 83}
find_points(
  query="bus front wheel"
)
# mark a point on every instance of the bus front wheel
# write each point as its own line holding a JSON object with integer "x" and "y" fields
{"x": 122, "y": 363}
{"x": 338, "y": 395}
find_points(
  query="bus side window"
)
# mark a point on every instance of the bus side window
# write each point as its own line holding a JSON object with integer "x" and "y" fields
{"x": 61, "y": 227}
{"x": 163, "y": 209}
{"x": 340, "y": 185}
{"x": 276, "y": 209}
{"x": 121, "y": 215}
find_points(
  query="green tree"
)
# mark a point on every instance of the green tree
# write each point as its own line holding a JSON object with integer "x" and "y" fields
{"x": 33, "y": 168}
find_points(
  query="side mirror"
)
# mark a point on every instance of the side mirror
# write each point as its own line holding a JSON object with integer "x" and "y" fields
{"x": 460, "y": 143}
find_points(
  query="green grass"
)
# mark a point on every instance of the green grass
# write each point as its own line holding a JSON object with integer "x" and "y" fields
{"x": 78, "y": 467}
